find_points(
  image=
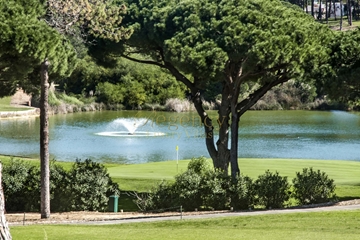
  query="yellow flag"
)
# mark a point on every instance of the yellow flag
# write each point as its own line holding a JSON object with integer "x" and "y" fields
{"x": 177, "y": 148}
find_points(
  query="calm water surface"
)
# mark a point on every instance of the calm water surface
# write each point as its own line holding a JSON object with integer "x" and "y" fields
{"x": 262, "y": 134}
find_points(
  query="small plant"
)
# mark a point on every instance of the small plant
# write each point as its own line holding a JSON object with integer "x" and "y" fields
{"x": 272, "y": 190}
{"x": 313, "y": 187}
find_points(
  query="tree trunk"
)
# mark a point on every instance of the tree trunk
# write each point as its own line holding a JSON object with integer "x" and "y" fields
{"x": 334, "y": 10}
{"x": 328, "y": 10}
{"x": 320, "y": 12}
{"x": 4, "y": 228}
{"x": 341, "y": 15}
{"x": 44, "y": 141}
{"x": 235, "y": 171}
{"x": 349, "y": 12}
{"x": 312, "y": 8}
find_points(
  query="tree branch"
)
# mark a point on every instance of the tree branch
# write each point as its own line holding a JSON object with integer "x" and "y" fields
{"x": 247, "y": 103}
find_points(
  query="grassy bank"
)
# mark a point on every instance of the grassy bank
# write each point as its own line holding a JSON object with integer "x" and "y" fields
{"x": 321, "y": 225}
{"x": 6, "y": 107}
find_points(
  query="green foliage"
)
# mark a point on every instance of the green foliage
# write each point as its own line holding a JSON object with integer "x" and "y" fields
{"x": 313, "y": 187}
{"x": 59, "y": 188}
{"x": 242, "y": 193}
{"x": 272, "y": 190}
{"x": 25, "y": 42}
{"x": 21, "y": 183}
{"x": 53, "y": 100}
{"x": 342, "y": 81}
{"x": 110, "y": 93}
{"x": 199, "y": 187}
{"x": 85, "y": 187}
{"x": 199, "y": 165}
{"x": 90, "y": 184}
{"x": 128, "y": 83}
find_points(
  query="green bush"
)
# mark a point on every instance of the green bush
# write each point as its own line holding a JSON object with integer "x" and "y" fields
{"x": 21, "y": 184}
{"x": 214, "y": 190}
{"x": 242, "y": 193}
{"x": 199, "y": 165}
{"x": 86, "y": 186}
{"x": 272, "y": 190}
{"x": 110, "y": 93}
{"x": 313, "y": 187}
{"x": 89, "y": 184}
{"x": 59, "y": 188}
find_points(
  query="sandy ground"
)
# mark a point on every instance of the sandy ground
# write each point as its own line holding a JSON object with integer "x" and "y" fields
{"x": 122, "y": 217}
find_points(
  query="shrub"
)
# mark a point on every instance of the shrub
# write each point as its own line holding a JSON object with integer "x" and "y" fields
{"x": 199, "y": 165}
{"x": 86, "y": 187}
{"x": 21, "y": 183}
{"x": 214, "y": 190}
{"x": 59, "y": 188}
{"x": 89, "y": 184}
{"x": 242, "y": 193}
{"x": 187, "y": 187}
{"x": 272, "y": 190}
{"x": 313, "y": 187}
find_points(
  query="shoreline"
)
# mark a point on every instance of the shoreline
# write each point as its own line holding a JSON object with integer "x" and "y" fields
{"x": 32, "y": 112}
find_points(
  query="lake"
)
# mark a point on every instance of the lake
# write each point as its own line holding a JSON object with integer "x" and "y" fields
{"x": 101, "y": 136}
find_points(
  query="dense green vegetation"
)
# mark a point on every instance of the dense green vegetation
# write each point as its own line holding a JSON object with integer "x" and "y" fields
{"x": 25, "y": 42}
{"x": 200, "y": 187}
{"x": 313, "y": 226}
{"x": 145, "y": 177}
{"x": 85, "y": 186}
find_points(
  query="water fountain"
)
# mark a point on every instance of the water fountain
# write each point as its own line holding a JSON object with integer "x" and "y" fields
{"x": 131, "y": 125}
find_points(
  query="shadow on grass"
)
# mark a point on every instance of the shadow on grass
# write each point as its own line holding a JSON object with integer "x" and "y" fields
{"x": 126, "y": 203}
{"x": 347, "y": 198}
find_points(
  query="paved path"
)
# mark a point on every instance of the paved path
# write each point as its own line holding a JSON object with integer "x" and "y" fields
{"x": 217, "y": 215}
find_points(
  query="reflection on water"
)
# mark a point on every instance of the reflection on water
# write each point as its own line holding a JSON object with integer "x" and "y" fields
{"x": 264, "y": 134}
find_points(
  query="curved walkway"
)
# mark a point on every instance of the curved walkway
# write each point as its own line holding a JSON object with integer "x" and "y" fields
{"x": 227, "y": 214}
{"x": 122, "y": 218}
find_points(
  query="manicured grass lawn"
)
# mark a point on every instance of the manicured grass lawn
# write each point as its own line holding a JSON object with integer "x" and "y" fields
{"x": 321, "y": 225}
{"x": 5, "y": 105}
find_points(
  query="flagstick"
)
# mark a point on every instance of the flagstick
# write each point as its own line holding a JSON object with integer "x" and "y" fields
{"x": 177, "y": 159}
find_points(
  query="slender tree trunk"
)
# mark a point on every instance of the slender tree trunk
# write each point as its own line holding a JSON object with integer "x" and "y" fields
{"x": 235, "y": 171}
{"x": 312, "y": 8}
{"x": 349, "y": 12}
{"x": 334, "y": 10}
{"x": 328, "y": 11}
{"x": 320, "y": 12}
{"x": 341, "y": 15}
{"x": 44, "y": 141}
{"x": 4, "y": 228}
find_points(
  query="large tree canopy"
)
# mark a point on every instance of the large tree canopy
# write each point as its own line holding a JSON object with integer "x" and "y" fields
{"x": 343, "y": 83}
{"x": 25, "y": 42}
{"x": 236, "y": 43}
